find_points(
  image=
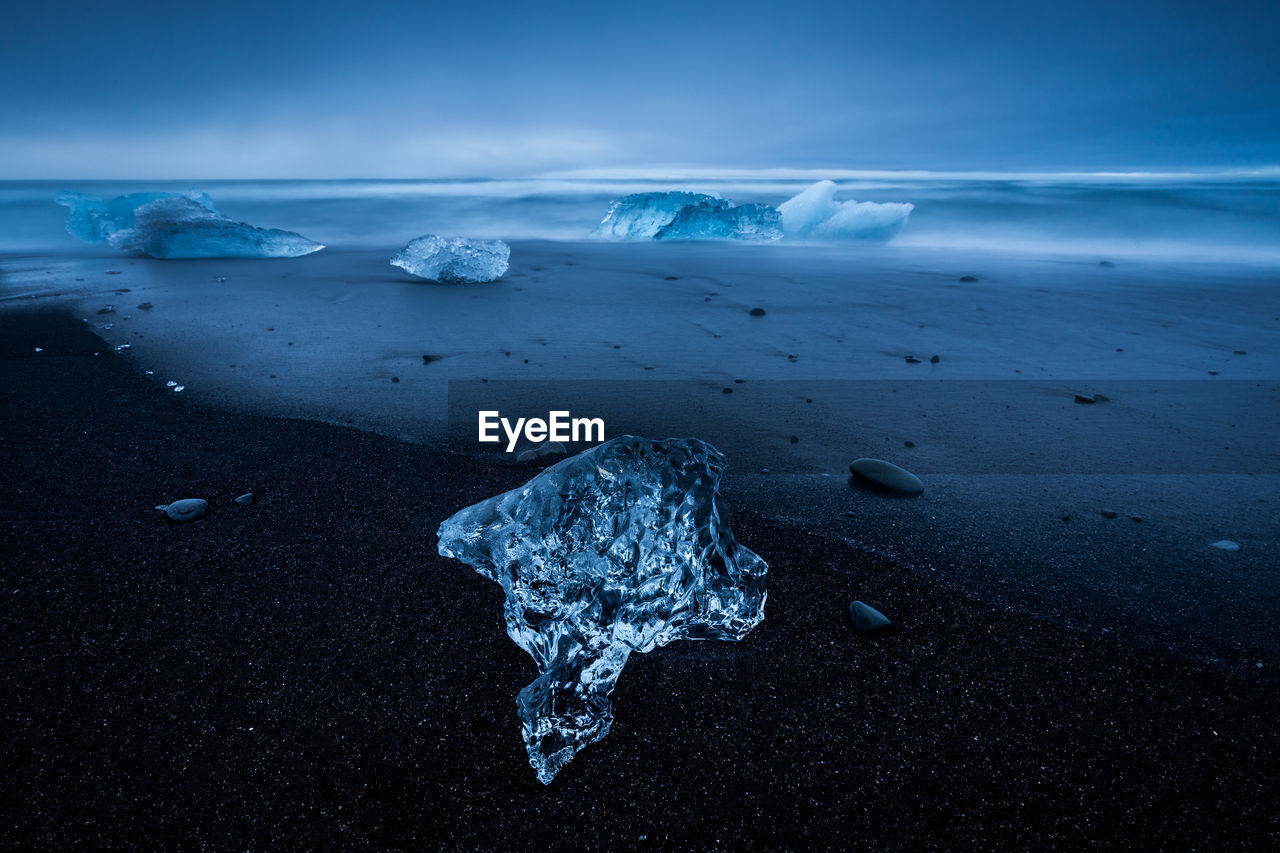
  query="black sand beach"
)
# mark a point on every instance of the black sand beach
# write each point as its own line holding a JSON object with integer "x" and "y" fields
{"x": 306, "y": 671}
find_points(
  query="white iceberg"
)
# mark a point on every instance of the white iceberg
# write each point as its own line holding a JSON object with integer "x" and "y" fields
{"x": 170, "y": 225}
{"x": 815, "y": 214}
{"x": 454, "y": 259}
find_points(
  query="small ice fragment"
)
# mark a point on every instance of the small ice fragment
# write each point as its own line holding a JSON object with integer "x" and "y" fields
{"x": 149, "y": 372}
{"x": 622, "y": 548}
{"x": 170, "y": 384}
{"x": 39, "y": 349}
{"x": 178, "y": 388}
{"x": 454, "y": 259}
{"x": 123, "y": 347}
{"x": 1225, "y": 545}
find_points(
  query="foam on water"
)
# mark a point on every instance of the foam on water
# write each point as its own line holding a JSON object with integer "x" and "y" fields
{"x": 1213, "y": 216}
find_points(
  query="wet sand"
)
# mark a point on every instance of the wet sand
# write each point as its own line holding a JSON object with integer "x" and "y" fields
{"x": 306, "y": 671}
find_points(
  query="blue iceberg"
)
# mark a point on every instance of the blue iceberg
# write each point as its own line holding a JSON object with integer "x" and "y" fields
{"x": 622, "y": 548}
{"x": 812, "y": 215}
{"x": 815, "y": 214}
{"x": 454, "y": 259}
{"x": 94, "y": 219}
{"x": 687, "y": 216}
{"x": 170, "y": 225}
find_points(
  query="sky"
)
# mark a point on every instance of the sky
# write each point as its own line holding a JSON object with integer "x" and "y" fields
{"x": 335, "y": 89}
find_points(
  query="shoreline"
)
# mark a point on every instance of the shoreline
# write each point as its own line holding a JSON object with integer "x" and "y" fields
{"x": 307, "y": 671}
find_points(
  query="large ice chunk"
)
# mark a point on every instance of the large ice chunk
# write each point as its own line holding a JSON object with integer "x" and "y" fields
{"x": 815, "y": 214}
{"x": 170, "y": 225}
{"x": 183, "y": 228}
{"x": 620, "y": 549}
{"x": 454, "y": 259}
{"x": 687, "y": 216}
{"x": 94, "y": 219}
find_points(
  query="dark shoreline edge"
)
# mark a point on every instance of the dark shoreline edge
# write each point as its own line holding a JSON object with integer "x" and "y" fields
{"x": 308, "y": 672}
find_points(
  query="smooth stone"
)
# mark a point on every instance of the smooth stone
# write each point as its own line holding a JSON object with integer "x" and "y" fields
{"x": 968, "y": 279}
{"x": 1083, "y": 400}
{"x": 888, "y": 475}
{"x": 546, "y": 448}
{"x": 867, "y": 618}
{"x": 1110, "y": 513}
{"x": 245, "y": 499}
{"x": 188, "y": 509}
{"x": 1226, "y": 545}
{"x": 757, "y": 312}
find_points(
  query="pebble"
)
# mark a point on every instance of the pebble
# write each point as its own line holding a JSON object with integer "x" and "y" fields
{"x": 1226, "y": 545}
{"x": 245, "y": 499}
{"x": 933, "y": 359}
{"x": 757, "y": 312}
{"x": 1110, "y": 513}
{"x": 968, "y": 279}
{"x": 867, "y": 618}
{"x": 188, "y": 509}
{"x": 911, "y": 359}
{"x": 887, "y": 475}
{"x": 547, "y": 448}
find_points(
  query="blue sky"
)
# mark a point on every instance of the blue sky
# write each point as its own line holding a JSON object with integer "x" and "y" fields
{"x": 401, "y": 89}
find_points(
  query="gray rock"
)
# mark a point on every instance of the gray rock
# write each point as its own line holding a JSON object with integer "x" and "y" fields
{"x": 867, "y": 618}
{"x": 887, "y": 475}
{"x": 1226, "y": 545}
{"x": 245, "y": 499}
{"x": 188, "y": 509}
{"x": 546, "y": 448}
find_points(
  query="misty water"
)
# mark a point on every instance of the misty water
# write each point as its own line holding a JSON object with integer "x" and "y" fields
{"x": 1218, "y": 215}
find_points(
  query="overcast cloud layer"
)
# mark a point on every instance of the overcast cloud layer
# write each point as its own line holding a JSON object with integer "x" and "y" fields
{"x": 402, "y": 89}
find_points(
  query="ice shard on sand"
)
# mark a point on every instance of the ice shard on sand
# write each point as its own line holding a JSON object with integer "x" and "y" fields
{"x": 620, "y": 549}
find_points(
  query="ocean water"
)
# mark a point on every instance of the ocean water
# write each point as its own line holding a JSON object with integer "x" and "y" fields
{"x": 1210, "y": 216}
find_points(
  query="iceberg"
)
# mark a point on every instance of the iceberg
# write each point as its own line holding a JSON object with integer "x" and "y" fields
{"x": 184, "y": 228}
{"x": 815, "y": 214}
{"x": 170, "y": 225}
{"x": 687, "y": 216}
{"x": 454, "y": 259}
{"x": 94, "y": 219}
{"x": 622, "y": 548}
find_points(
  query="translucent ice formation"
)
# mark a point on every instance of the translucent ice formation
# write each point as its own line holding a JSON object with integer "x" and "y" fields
{"x": 168, "y": 225}
{"x": 94, "y": 219}
{"x": 815, "y": 214}
{"x": 454, "y": 259}
{"x": 620, "y": 549}
{"x": 687, "y": 216}
{"x": 183, "y": 228}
